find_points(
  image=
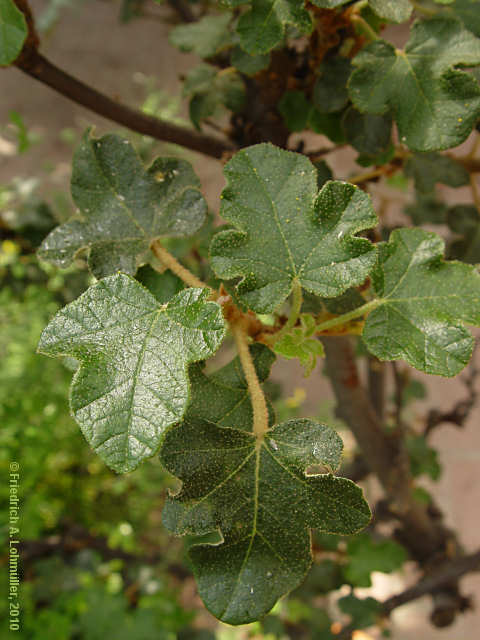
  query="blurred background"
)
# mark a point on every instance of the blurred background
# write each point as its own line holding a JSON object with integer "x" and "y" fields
{"x": 96, "y": 562}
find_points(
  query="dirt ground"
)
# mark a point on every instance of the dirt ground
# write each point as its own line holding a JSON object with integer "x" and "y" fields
{"x": 90, "y": 43}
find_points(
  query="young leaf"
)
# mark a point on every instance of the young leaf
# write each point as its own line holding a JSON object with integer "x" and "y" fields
{"x": 429, "y": 168}
{"x": 250, "y": 65}
{"x": 256, "y": 494}
{"x": 364, "y": 612}
{"x": 305, "y": 236}
{"x": 123, "y": 206}
{"x": 435, "y": 105}
{"x": 263, "y": 27}
{"x": 132, "y": 383}
{"x": 301, "y": 343}
{"x": 206, "y": 37}
{"x": 393, "y": 10}
{"x": 423, "y": 304}
{"x": 13, "y": 32}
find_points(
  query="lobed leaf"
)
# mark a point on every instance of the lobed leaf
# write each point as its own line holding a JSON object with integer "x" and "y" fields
{"x": 123, "y": 207}
{"x": 13, "y": 32}
{"x": 435, "y": 104}
{"x": 263, "y": 26}
{"x": 132, "y": 383}
{"x": 258, "y": 497}
{"x": 305, "y": 236}
{"x": 423, "y": 304}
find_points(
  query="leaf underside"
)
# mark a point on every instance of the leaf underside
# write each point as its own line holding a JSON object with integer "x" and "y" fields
{"x": 132, "y": 383}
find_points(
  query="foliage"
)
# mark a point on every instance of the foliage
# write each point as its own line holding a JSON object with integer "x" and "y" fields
{"x": 296, "y": 257}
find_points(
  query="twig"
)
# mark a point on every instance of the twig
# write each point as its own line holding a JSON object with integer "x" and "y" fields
{"x": 174, "y": 265}
{"x": 183, "y": 9}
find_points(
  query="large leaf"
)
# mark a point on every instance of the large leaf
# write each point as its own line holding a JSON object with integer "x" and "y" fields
{"x": 287, "y": 231}
{"x": 263, "y": 27}
{"x": 13, "y": 32}
{"x": 424, "y": 302}
{"x": 257, "y": 496}
{"x": 123, "y": 207}
{"x": 435, "y": 105}
{"x": 206, "y": 37}
{"x": 132, "y": 383}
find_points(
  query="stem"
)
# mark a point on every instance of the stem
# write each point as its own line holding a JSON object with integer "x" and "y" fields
{"x": 365, "y": 26}
{"x": 41, "y": 69}
{"x": 368, "y": 175}
{"x": 174, "y": 265}
{"x": 297, "y": 300}
{"x": 183, "y": 9}
{"x": 259, "y": 404}
{"x": 351, "y": 315}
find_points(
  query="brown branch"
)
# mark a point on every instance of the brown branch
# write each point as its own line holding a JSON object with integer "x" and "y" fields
{"x": 376, "y": 385}
{"x": 434, "y": 583}
{"x": 43, "y": 70}
{"x": 31, "y": 62}
{"x": 183, "y": 9}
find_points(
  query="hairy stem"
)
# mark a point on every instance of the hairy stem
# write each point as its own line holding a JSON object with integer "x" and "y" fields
{"x": 259, "y": 404}
{"x": 174, "y": 265}
{"x": 363, "y": 24}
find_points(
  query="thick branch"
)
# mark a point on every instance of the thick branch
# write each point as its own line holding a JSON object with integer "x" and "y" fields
{"x": 423, "y": 536}
{"x": 38, "y": 67}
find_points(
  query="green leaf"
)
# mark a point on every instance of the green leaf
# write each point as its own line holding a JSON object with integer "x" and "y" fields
{"x": 206, "y": 37}
{"x": 222, "y": 397}
{"x": 365, "y": 556}
{"x": 123, "y": 207}
{"x": 162, "y": 285}
{"x": 330, "y": 91}
{"x": 295, "y": 109}
{"x": 257, "y": 495}
{"x": 464, "y": 219}
{"x": 423, "y": 304}
{"x": 364, "y": 612}
{"x": 250, "y": 65}
{"x": 423, "y": 459}
{"x": 263, "y": 27}
{"x": 367, "y": 133}
{"x": 435, "y": 104}
{"x": 468, "y": 12}
{"x": 306, "y": 236}
{"x": 429, "y": 168}
{"x": 13, "y": 32}
{"x": 132, "y": 383}
{"x": 211, "y": 89}
{"x": 427, "y": 209}
{"x": 329, "y": 4}
{"x": 324, "y": 173}
{"x": 300, "y": 342}
{"x": 328, "y": 124}
{"x": 393, "y": 10}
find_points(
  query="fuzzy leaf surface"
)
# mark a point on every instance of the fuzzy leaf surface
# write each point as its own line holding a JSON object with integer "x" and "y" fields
{"x": 307, "y": 236}
{"x": 132, "y": 383}
{"x": 263, "y": 27}
{"x": 123, "y": 206}
{"x": 13, "y": 32}
{"x": 434, "y": 103}
{"x": 263, "y": 504}
{"x": 424, "y": 303}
